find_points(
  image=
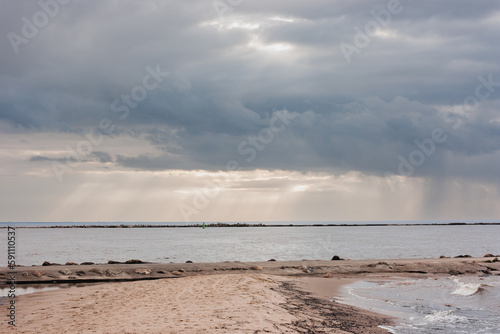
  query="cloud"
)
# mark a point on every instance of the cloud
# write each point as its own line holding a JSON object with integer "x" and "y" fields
{"x": 230, "y": 74}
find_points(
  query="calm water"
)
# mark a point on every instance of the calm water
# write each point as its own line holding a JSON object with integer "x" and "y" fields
{"x": 34, "y": 246}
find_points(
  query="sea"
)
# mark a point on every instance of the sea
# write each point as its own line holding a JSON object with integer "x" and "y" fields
{"x": 457, "y": 304}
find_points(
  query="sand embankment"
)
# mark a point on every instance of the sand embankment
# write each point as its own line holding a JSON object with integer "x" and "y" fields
{"x": 145, "y": 271}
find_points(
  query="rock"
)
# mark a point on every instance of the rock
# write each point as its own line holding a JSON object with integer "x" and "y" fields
{"x": 489, "y": 255}
{"x": 162, "y": 272}
{"x": 454, "y": 272}
{"x": 305, "y": 269}
{"x": 189, "y": 261}
{"x": 80, "y": 272}
{"x": 71, "y": 263}
{"x": 47, "y": 263}
{"x": 181, "y": 270}
{"x": 336, "y": 258}
{"x": 96, "y": 271}
{"x": 112, "y": 272}
{"x": 177, "y": 273}
{"x": 327, "y": 275}
{"x": 462, "y": 256}
{"x": 133, "y": 261}
{"x": 443, "y": 257}
{"x": 25, "y": 274}
{"x": 37, "y": 273}
{"x": 143, "y": 271}
{"x": 65, "y": 272}
{"x": 270, "y": 260}
{"x": 495, "y": 260}
{"x": 86, "y": 263}
{"x": 114, "y": 262}
{"x": 256, "y": 268}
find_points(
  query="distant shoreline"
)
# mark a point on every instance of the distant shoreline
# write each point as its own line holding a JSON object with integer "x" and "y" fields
{"x": 210, "y": 225}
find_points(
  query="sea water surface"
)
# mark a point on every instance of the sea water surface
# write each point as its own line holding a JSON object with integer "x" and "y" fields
{"x": 217, "y": 244}
{"x": 448, "y": 305}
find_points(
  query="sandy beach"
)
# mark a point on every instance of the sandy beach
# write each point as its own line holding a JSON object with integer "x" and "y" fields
{"x": 229, "y": 303}
{"x": 271, "y": 297}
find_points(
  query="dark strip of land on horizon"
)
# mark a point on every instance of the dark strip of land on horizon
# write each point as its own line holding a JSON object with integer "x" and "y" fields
{"x": 208, "y": 225}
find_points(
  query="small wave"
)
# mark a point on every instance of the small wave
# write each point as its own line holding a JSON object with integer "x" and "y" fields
{"x": 445, "y": 317}
{"x": 469, "y": 289}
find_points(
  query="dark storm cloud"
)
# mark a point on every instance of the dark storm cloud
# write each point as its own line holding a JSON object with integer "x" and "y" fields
{"x": 224, "y": 85}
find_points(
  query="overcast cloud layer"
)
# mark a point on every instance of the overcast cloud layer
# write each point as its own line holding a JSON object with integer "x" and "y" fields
{"x": 404, "y": 97}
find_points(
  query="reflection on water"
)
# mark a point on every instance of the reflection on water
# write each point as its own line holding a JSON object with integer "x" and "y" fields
{"x": 33, "y": 288}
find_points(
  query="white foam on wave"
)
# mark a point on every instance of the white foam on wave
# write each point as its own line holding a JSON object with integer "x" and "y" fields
{"x": 445, "y": 317}
{"x": 468, "y": 289}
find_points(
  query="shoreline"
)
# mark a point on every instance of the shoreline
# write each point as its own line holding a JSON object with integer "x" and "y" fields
{"x": 138, "y": 270}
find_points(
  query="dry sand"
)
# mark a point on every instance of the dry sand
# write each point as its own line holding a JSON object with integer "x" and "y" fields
{"x": 229, "y": 303}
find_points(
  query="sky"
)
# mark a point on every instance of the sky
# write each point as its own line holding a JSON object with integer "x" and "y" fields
{"x": 249, "y": 110}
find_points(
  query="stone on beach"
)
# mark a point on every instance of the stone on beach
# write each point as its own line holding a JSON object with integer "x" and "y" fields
{"x": 336, "y": 258}
{"x": 47, "y": 263}
{"x": 65, "y": 272}
{"x": 133, "y": 261}
{"x": 454, "y": 272}
{"x": 177, "y": 273}
{"x": 143, "y": 271}
{"x": 96, "y": 271}
{"x": 112, "y": 272}
{"x": 38, "y": 273}
{"x": 87, "y": 263}
{"x": 256, "y": 268}
{"x": 305, "y": 269}
{"x": 71, "y": 263}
